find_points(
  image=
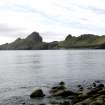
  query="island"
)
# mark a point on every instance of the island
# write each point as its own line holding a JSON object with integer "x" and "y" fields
{"x": 35, "y": 42}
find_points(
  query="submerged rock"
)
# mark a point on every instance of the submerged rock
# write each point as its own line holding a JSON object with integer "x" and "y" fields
{"x": 96, "y": 89}
{"x": 37, "y": 93}
{"x": 60, "y": 86}
{"x": 62, "y": 83}
{"x": 57, "y": 88}
{"x": 80, "y": 87}
{"x": 63, "y": 93}
{"x": 93, "y": 96}
{"x": 61, "y": 90}
{"x": 100, "y": 86}
{"x": 94, "y": 84}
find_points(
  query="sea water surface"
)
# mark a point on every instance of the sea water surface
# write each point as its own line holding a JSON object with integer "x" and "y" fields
{"x": 23, "y": 71}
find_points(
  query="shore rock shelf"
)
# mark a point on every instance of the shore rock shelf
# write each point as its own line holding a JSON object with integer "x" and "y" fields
{"x": 37, "y": 93}
{"x": 93, "y": 96}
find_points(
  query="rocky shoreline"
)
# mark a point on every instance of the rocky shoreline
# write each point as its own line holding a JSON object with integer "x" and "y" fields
{"x": 91, "y": 95}
{"x": 61, "y": 94}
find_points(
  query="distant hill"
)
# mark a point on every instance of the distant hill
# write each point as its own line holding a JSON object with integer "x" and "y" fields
{"x": 32, "y": 42}
{"x": 35, "y": 42}
{"x": 83, "y": 41}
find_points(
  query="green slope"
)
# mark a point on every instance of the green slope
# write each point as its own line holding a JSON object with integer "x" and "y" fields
{"x": 35, "y": 42}
{"x": 83, "y": 41}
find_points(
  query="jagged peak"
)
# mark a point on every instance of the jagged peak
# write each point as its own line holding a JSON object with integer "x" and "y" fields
{"x": 35, "y": 36}
{"x": 68, "y": 37}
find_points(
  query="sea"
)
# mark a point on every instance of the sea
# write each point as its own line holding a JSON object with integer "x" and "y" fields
{"x": 23, "y": 71}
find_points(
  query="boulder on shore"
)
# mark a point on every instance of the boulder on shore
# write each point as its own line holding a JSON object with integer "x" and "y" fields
{"x": 61, "y": 90}
{"x": 37, "y": 93}
{"x": 63, "y": 93}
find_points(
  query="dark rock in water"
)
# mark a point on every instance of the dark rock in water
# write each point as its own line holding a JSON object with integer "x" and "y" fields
{"x": 37, "y": 93}
{"x": 89, "y": 87}
{"x": 61, "y": 83}
{"x": 80, "y": 87}
{"x": 94, "y": 84}
{"x": 63, "y": 93}
{"x": 57, "y": 88}
{"x": 61, "y": 90}
{"x": 23, "y": 103}
{"x": 97, "y": 81}
{"x": 101, "y": 86}
{"x": 96, "y": 89}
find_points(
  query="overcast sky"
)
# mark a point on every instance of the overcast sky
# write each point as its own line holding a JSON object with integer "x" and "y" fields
{"x": 53, "y": 19}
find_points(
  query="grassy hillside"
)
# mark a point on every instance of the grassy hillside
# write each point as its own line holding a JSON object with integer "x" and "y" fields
{"x": 83, "y": 41}
{"x": 35, "y": 42}
{"x": 32, "y": 42}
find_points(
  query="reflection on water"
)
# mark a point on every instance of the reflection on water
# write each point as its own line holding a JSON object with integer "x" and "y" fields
{"x": 30, "y": 69}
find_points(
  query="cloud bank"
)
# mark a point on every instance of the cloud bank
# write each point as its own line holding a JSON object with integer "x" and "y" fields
{"x": 54, "y": 19}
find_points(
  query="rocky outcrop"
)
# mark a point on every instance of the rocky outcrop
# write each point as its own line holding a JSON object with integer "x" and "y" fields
{"x": 37, "y": 93}
{"x": 93, "y": 96}
{"x": 32, "y": 42}
{"x": 68, "y": 37}
{"x": 61, "y": 90}
{"x": 57, "y": 91}
{"x": 34, "y": 37}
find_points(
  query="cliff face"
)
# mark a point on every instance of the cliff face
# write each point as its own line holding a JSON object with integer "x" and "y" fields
{"x": 35, "y": 42}
{"x": 34, "y": 37}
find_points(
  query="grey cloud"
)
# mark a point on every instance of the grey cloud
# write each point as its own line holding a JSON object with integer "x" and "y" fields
{"x": 10, "y": 31}
{"x": 6, "y": 28}
{"x": 91, "y": 8}
{"x": 97, "y": 10}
